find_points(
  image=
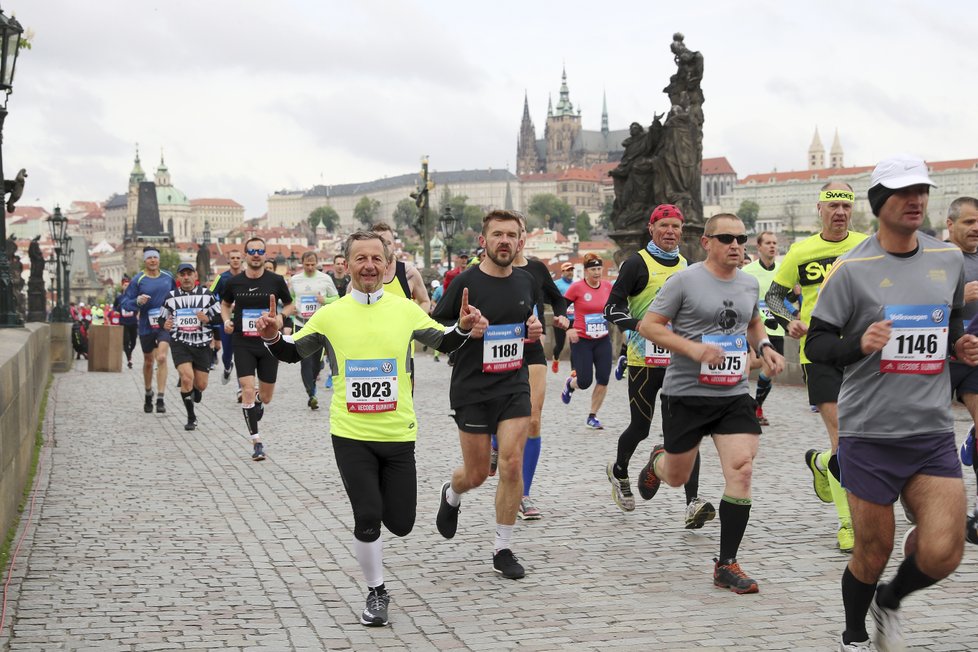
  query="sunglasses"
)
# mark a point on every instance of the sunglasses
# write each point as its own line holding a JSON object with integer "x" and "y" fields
{"x": 261, "y": 252}
{"x": 728, "y": 238}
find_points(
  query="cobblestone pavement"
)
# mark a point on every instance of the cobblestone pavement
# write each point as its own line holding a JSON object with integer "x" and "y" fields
{"x": 147, "y": 537}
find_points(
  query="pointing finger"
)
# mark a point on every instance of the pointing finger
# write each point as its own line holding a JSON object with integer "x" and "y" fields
{"x": 271, "y": 305}
{"x": 465, "y": 300}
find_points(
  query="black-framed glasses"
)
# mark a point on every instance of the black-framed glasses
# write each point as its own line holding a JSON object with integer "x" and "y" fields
{"x": 261, "y": 252}
{"x": 728, "y": 238}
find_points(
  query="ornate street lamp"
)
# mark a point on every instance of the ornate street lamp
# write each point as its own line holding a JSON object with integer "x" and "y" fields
{"x": 10, "y": 33}
{"x": 58, "y": 224}
{"x": 67, "y": 253}
{"x": 293, "y": 261}
{"x": 449, "y": 225}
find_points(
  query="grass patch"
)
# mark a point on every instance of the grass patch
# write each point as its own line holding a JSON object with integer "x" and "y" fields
{"x": 8, "y": 539}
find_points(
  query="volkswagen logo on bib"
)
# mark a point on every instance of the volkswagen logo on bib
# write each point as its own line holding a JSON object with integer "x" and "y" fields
{"x": 587, "y": 296}
{"x": 387, "y": 367}
{"x": 937, "y": 316}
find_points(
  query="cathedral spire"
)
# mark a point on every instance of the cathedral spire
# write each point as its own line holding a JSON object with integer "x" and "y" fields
{"x": 604, "y": 113}
{"x": 564, "y": 105}
{"x": 550, "y": 105}
{"x": 137, "y": 173}
{"x": 526, "y": 107}
{"x": 816, "y": 153}
{"x": 835, "y": 154}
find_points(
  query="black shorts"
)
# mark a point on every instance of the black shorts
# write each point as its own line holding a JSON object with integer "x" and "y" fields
{"x": 533, "y": 353}
{"x": 149, "y": 342}
{"x": 964, "y": 380}
{"x": 687, "y": 419}
{"x": 484, "y": 417}
{"x": 252, "y": 358}
{"x": 198, "y": 356}
{"x": 824, "y": 382}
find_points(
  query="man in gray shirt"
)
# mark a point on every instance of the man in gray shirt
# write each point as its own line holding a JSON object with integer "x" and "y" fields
{"x": 889, "y": 313}
{"x": 713, "y": 309}
{"x": 962, "y": 226}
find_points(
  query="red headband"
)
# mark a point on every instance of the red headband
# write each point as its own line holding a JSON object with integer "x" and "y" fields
{"x": 663, "y": 211}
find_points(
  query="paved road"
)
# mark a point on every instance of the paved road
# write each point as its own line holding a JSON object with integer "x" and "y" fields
{"x": 146, "y": 537}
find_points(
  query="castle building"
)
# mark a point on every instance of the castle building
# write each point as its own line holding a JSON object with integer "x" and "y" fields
{"x": 565, "y": 143}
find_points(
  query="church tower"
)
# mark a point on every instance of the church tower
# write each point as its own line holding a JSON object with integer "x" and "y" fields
{"x": 835, "y": 154}
{"x": 527, "y": 161}
{"x": 563, "y": 130}
{"x": 816, "y": 153}
{"x": 604, "y": 114}
{"x": 136, "y": 177}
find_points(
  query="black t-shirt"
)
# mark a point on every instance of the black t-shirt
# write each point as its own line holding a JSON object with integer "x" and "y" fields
{"x": 547, "y": 291}
{"x": 340, "y": 283}
{"x": 507, "y": 300}
{"x": 250, "y": 299}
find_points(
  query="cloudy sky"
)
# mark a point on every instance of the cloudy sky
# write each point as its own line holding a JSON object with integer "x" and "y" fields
{"x": 245, "y": 98}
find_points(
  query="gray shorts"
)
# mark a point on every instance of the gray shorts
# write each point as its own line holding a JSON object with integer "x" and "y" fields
{"x": 876, "y": 470}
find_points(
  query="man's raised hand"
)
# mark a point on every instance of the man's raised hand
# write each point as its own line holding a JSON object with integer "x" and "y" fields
{"x": 267, "y": 324}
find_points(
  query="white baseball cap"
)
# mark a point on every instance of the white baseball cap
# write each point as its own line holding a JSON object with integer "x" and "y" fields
{"x": 901, "y": 171}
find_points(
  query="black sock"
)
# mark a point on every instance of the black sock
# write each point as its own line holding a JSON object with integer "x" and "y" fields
{"x": 619, "y": 472}
{"x": 909, "y": 578}
{"x": 198, "y": 395}
{"x": 856, "y": 597}
{"x": 733, "y": 524}
{"x": 692, "y": 486}
{"x": 379, "y": 590}
{"x": 763, "y": 389}
{"x": 188, "y": 402}
{"x": 251, "y": 419}
{"x": 834, "y": 467}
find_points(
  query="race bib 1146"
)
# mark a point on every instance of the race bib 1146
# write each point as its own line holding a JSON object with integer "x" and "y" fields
{"x": 918, "y": 342}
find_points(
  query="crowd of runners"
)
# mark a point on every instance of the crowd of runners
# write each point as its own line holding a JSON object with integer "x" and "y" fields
{"x": 878, "y": 318}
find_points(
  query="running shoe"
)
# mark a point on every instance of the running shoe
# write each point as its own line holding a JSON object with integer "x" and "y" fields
{"x": 855, "y": 646}
{"x": 910, "y": 541}
{"x": 648, "y": 483}
{"x": 555, "y": 366}
{"x": 846, "y": 538}
{"x": 226, "y": 374}
{"x": 148, "y": 405}
{"x": 565, "y": 395}
{"x": 698, "y": 512}
{"x": 761, "y": 419}
{"x": 968, "y": 448}
{"x": 971, "y": 529}
{"x": 730, "y": 576}
{"x": 160, "y": 406}
{"x": 129, "y": 364}
{"x": 505, "y": 563}
{"x": 313, "y": 403}
{"x": 594, "y": 424}
{"x": 436, "y": 358}
{"x": 621, "y": 490}
{"x": 259, "y": 453}
{"x": 190, "y": 425}
{"x": 447, "y": 519}
{"x": 375, "y": 611}
{"x": 620, "y": 367}
{"x": 820, "y": 479}
{"x": 493, "y": 461}
{"x": 813, "y": 408}
{"x": 528, "y": 511}
{"x": 329, "y": 382}
{"x": 889, "y": 631}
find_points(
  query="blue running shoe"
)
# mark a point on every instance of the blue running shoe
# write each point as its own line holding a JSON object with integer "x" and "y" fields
{"x": 565, "y": 395}
{"x": 620, "y": 367}
{"x": 329, "y": 382}
{"x": 968, "y": 448}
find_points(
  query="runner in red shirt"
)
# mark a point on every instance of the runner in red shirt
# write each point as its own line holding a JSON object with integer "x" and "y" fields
{"x": 589, "y": 341}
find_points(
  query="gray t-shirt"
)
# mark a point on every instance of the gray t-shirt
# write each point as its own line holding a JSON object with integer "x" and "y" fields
{"x": 903, "y": 390}
{"x": 700, "y": 305}
{"x": 970, "y": 274}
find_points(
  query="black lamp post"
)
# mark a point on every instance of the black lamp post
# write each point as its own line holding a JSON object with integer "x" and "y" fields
{"x": 58, "y": 224}
{"x": 10, "y": 32}
{"x": 449, "y": 224}
{"x": 67, "y": 252}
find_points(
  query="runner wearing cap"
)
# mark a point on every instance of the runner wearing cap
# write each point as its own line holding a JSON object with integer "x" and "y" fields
{"x": 145, "y": 296}
{"x": 187, "y": 314}
{"x": 589, "y": 341}
{"x": 639, "y": 280}
{"x": 807, "y": 263}
{"x": 563, "y": 282}
{"x": 889, "y": 313}
{"x": 712, "y": 308}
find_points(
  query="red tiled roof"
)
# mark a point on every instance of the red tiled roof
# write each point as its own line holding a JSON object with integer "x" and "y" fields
{"x": 215, "y": 201}
{"x": 718, "y": 165}
{"x": 826, "y": 173}
{"x": 30, "y": 213}
{"x": 597, "y": 244}
{"x": 961, "y": 164}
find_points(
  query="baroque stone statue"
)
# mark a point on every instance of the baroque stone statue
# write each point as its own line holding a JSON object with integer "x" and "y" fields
{"x": 662, "y": 165}
{"x": 203, "y": 263}
{"x": 36, "y": 258}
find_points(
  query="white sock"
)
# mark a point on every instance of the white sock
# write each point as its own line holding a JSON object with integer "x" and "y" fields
{"x": 371, "y": 558}
{"x": 503, "y": 535}
{"x": 453, "y": 498}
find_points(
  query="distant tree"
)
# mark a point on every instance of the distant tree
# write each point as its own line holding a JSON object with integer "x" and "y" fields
{"x": 405, "y": 214}
{"x": 605, "y": 220}
{"x": 367, "y": 211}
{"x": 169, "y": 261}
{"x": 748, "y": 213}
{"x": 583, "y": 226}
{"x": 325, "y": 215}
{"x": 554, "y": 212}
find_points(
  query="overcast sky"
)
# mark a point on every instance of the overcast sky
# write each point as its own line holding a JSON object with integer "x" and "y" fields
{"x": 245, "y": 98}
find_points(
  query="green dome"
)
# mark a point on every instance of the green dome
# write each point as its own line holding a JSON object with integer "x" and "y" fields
{"x": 170, "y": 196}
